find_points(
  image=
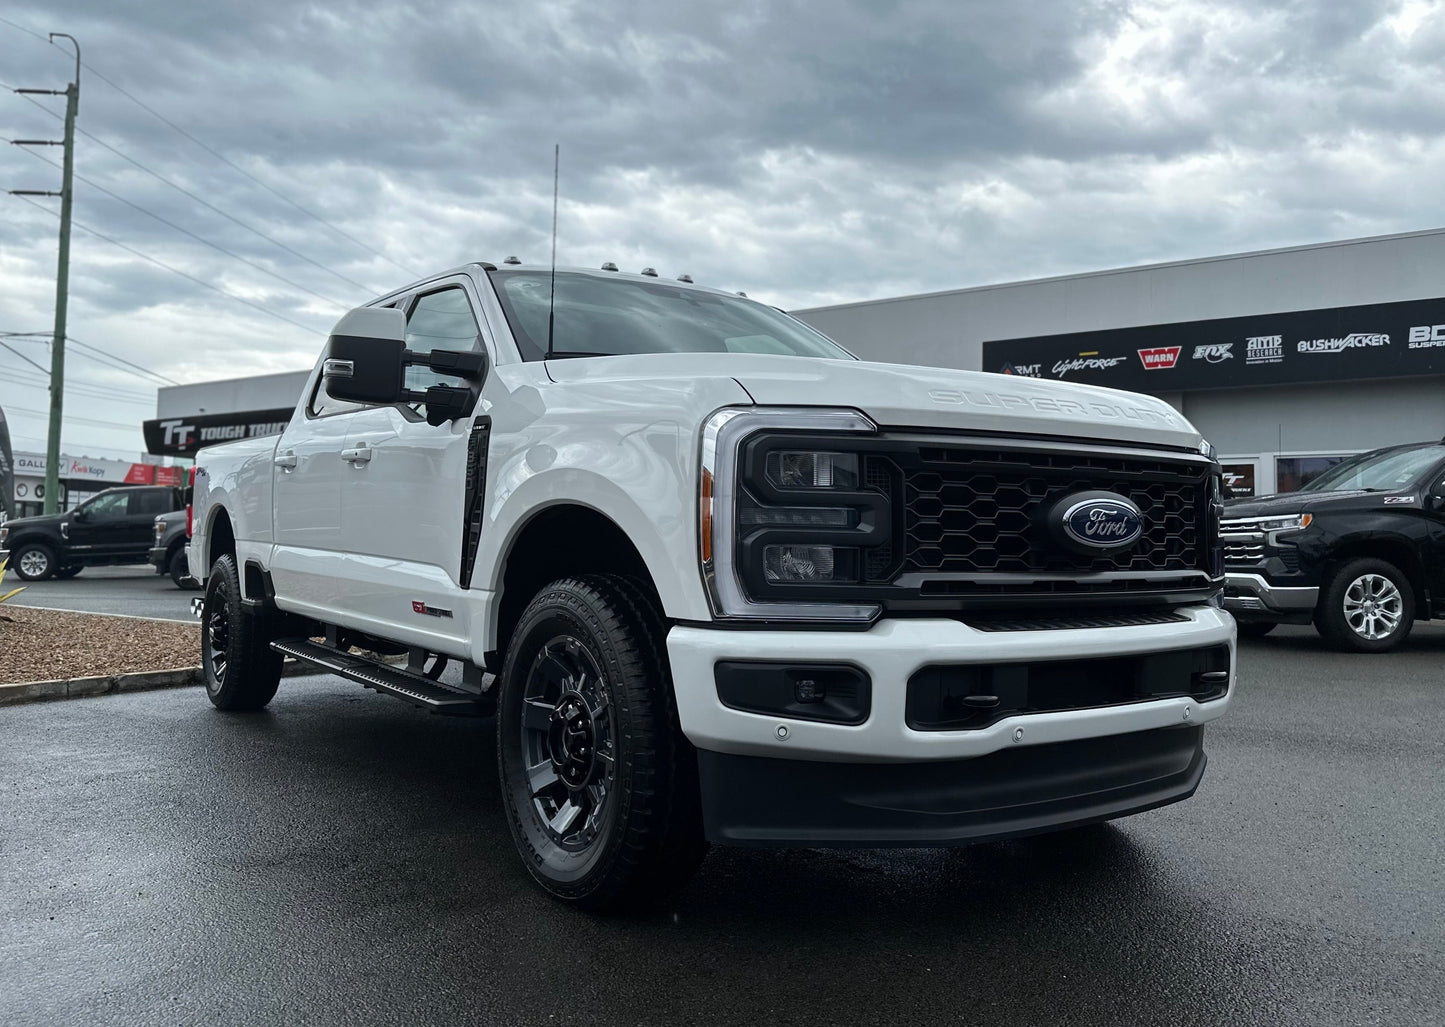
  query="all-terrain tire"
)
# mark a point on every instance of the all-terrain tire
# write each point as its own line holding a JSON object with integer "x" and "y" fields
{"x": 599, "y": 783}
{"x": 33, "y": 561}
{"x": 241, "y": 670}
{"x": 1366, "y": 606}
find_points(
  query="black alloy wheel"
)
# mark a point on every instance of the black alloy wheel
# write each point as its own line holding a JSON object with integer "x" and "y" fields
{"x": 599, "y": 783}
{"x": 241, "y": 670}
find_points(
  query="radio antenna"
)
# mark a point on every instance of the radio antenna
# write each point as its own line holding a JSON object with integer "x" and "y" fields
{"x": 552, "y": 297}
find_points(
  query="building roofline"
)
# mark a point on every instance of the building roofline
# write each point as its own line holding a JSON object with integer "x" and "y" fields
{"x": 1124, "y": 270}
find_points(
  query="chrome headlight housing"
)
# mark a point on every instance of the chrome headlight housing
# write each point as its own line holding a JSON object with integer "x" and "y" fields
{"x": 784, "y": 514}
{"x": 1273, "y": 527}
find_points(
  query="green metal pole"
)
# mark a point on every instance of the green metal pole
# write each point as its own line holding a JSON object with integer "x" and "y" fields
{"x": 62, "y": 291}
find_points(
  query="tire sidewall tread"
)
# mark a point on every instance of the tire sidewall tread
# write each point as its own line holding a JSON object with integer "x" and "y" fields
{"x": 1330, "y": 618}
{"x": 254, "y": 668}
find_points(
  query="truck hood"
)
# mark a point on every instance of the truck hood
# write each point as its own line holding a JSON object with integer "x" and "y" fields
{"x": 904, "y": 395}
{"x": 1309, "y": 502}
{"x": 38, "y": 521}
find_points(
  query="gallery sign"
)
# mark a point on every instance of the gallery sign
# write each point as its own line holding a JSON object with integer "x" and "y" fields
{"x": 182, "y": 436}
{"x": 1380, "y": 340}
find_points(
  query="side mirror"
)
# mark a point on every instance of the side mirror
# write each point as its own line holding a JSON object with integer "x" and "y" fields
{"x": 366, "y": 361}
{"x": 82, "y": 514}
{"x": 366, "y": 356}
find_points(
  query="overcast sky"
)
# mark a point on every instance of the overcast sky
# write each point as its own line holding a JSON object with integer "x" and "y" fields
{"x": 806, "y": 152}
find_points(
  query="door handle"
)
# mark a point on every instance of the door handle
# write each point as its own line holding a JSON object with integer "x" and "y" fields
{"x": 358, "y": 455}
{"x": 286, "y": 460}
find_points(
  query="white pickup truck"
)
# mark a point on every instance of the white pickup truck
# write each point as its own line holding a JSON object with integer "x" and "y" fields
{"x": 718, "y": 580}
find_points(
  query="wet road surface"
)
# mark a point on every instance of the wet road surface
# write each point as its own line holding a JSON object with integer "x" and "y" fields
{"x": 131, "y": 591}
{"x": 342, "y": 859}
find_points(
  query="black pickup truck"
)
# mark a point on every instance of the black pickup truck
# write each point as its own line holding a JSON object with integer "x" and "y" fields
{"x": 116, "y": 526}
{"x": 1360, "y": 550}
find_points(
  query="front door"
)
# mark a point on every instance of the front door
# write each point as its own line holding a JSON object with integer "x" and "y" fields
{"x": 403, "y": 490}
{"x": 99, "y": 527}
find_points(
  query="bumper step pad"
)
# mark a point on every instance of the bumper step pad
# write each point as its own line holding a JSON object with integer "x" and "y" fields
{"x": 416, "y": 689}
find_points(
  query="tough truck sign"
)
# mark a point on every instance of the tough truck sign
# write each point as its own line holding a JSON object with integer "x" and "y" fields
{"x": 1381, "y": 340}
{"x": 182, "y": 436}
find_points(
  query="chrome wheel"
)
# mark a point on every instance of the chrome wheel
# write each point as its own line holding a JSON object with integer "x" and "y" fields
{"x": 1373, "y": 606}
{"x": 34, "y": 563}
{"x": 567, "y": 743}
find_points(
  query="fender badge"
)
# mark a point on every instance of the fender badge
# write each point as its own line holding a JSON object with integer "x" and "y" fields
{"x": 1399, "y": 500}
{"x": 417, "y": 606}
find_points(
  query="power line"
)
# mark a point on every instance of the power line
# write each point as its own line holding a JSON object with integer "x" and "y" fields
{"x": 177, "y": 271}
{"x": 22, "y": 356}
{"x": 211, "y": 206}
{"x": 186, "y": 231}
{"x": 129, "y": 366}
{"x": 16, "y": 376}
{"x": 77, "y": 420}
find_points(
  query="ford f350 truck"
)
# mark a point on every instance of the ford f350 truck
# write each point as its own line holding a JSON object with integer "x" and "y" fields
{"x": 721, "y": 582}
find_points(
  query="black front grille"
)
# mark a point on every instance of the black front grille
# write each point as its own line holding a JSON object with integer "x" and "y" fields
{"x": 972, "y": 524}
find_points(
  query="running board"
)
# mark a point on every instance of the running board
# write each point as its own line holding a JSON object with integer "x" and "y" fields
{"x": 416, "y": 689}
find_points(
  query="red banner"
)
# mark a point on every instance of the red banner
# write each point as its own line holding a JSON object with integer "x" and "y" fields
{"x": 169, "y": 476}
{"x": 140, "y": 474}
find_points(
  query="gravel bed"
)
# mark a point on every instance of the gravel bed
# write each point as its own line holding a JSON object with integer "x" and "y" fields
{"x": 43, "y": 645}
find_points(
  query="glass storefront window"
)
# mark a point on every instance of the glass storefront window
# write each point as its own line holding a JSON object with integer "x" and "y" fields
{"x": 1293, "y": 473}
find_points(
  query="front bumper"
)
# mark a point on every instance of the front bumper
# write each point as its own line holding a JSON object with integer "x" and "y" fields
{"x": 1253, "y": 594}
{"x": 157, "y": 557}
{"x": 891, "y": 651}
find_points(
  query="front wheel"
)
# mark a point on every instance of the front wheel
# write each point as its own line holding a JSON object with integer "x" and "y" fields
{"x": 34, "y": 561}
{"x": 241, "y": 670}
{"x": 599, "y": 783}
{"x": 1367, "y": 606}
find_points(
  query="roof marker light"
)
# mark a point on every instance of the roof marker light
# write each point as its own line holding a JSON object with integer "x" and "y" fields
{"x": 609, "y": 266}
{"x": 649, "y": 272}
{"x": 512, "y": 260}
{"x": 742, "y": 294}
{"x": 685, "y": 278}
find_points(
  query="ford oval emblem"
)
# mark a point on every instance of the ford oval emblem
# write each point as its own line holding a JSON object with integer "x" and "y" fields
{"x": 1103, "y": 522}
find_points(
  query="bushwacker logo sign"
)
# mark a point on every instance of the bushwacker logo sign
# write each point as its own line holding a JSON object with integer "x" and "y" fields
{"x": 1159, "y": 358}
{"x": 1356, "y": 340}
{"x": 1283, "y": 348}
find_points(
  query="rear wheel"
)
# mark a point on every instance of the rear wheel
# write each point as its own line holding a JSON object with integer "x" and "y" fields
{"x": 1255, "y": 628}
{"x": 241, "y": 670}
{"x": 33, "y": 561}
{"x": 1367, "y": 606}
{"x": 599, "y": 782}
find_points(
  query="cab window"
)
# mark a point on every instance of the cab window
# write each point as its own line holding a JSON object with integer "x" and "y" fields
{"x": 107, "y": 505}
{"x": 149, "y": 502}
{"x": 439, "y": 320}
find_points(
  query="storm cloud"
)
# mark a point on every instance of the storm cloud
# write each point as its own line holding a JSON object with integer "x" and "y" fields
{"x": 807, "y": 153}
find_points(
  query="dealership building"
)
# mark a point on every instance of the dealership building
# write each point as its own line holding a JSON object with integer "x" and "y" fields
{"x": 1287, "y": 360}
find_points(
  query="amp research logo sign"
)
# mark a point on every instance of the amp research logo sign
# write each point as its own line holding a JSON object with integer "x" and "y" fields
{"x": 1264, "y": 349}
{"x": 1215, "y": 352}
{"x": 1356, "y": 340}
{"x": 1159, "y": 358}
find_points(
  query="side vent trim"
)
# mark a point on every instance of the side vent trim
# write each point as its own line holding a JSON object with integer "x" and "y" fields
{"x": 475, "y": 495}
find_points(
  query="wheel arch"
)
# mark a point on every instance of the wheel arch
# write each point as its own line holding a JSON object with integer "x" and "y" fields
{"x": 220, "y": 536}
{"x": 1392, "y": 549}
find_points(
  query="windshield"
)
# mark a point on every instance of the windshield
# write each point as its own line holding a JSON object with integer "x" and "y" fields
{"x": 603, "y": 315}
{"x": 1384, "y": 471}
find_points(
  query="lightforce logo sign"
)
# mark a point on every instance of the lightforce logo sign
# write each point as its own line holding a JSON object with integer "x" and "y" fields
{"x": 1088, "y": 360}
{"x": 1264, "y": 349}
{"x": 1356, "y": 340}
{"x": 1159, "y": 358}
{"x": 1427, "y": 336}
{"x": 1214, "y": 352}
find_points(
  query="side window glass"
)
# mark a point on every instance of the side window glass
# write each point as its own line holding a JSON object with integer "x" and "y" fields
{"x": 108, "y": 506}
{"x": 439, "y": 320}
{"x": 149, "y": 501}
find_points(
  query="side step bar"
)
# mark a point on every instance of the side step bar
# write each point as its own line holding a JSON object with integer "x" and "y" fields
{"x": 416, "y": 689}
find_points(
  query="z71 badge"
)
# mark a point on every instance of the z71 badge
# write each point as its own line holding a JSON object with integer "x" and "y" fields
{"x": 1399, "y": 500}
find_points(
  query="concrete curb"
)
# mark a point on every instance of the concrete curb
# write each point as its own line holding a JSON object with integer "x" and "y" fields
{"x": 141, "y": 681}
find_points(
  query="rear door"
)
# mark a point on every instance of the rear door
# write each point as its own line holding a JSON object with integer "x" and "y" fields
{"x": 143, "y": 507}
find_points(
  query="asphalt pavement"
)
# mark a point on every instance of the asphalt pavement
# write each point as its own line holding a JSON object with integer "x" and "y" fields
{"x": 132, "y": 591}
{"x": 342, "y": 859}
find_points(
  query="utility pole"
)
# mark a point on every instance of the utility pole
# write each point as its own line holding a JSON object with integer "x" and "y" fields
{"x": 62, "y": 276}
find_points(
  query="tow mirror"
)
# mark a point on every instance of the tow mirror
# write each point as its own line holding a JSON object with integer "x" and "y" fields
{"x": 366, "y": 361}
{"x": 365, "y": 356}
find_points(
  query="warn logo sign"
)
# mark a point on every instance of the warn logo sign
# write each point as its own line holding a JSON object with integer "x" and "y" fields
{"x": 1159, "y": 358}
